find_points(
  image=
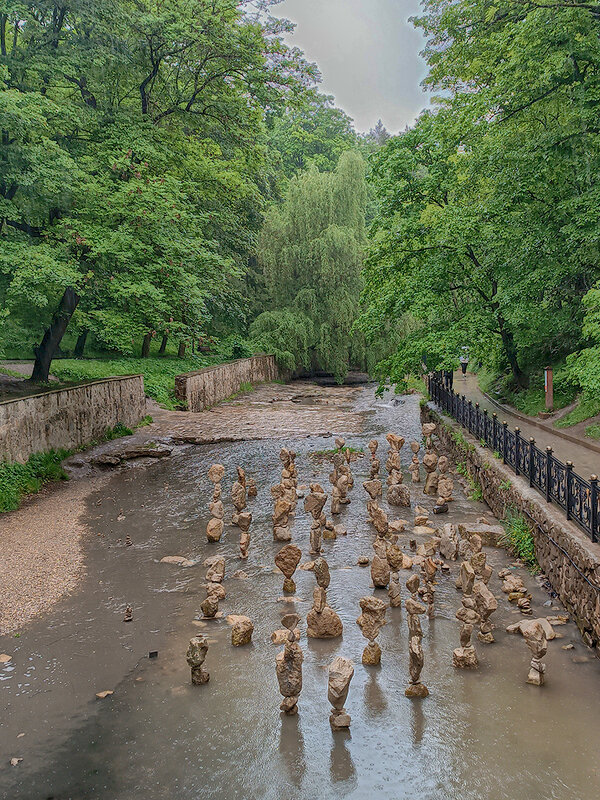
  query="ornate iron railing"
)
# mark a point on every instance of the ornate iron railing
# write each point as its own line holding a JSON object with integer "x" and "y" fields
{"x": 580, "y": 499}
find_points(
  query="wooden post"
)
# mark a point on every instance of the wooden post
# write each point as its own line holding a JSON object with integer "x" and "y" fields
{"x": 549, "y": 388}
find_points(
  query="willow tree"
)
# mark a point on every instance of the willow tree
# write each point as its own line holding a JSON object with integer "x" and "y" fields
{"x": 311, "y": 251}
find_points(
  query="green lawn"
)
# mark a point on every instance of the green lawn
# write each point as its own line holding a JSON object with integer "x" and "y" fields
{"x": 159, "y": 373}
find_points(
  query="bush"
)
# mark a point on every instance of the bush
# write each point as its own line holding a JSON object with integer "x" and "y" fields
{"x": 518, "y": 538}
{"x": 17, "y": 480}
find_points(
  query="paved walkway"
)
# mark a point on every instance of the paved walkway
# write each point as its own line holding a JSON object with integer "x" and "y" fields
{"x": 585, "y": 459}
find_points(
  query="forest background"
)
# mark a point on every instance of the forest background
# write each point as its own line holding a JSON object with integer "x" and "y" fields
{"x": 174, "y": 191}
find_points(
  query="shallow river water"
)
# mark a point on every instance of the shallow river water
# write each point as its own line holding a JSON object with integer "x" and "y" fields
{"x": 482, "y": 734}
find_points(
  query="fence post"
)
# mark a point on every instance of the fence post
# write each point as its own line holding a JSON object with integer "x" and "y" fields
{"x": 531, "y": 446}
{"x": 504, "y": 440}
{"x": 517, "y": 441}
{"x": 485, "y": 419}
{"x": 568, "y": 471}
{"x": 477, "y": 416}
{"x": 594, "y": 500}
{"x": 548, "y": 474}
{"x": 469, "y": 410}
{"x": 495, "y": 431}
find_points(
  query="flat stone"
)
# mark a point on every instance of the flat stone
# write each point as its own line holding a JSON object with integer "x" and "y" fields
{"x": 491, "y": 535}
{"x": 181, "y": 560}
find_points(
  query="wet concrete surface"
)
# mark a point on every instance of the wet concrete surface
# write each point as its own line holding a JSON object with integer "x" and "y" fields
{"x": 483, "y": 734}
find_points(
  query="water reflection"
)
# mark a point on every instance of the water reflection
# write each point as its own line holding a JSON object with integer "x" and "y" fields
{"x": 291, "y": 748}
{"x": 341, "y": 765}
{"x": 417, "y": 721}
{"x": 374, "y": 697}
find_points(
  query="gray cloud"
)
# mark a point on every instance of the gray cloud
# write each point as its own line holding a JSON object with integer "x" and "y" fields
{"x": 368, "y": 54}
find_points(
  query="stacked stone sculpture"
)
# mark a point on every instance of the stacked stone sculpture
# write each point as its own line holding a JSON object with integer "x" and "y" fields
{"x": 429, "y": 570}
{"x": 430, "y": 461}
{"x": 445, "y": 487}
{"x": 465, "y": 657}
{"x": 281, "y": 513}
{"x": 449, "y": 542}
{"x": 322, "y": 622}
{"x": 428, "y": 429}
{"x": 288, "y": 665}
{"x": 380, "y": 568}
{"x": 214, "y": 588}
{"x": 375, "y": 465}
{"x": 243, "y": 522}
{"x": 341, "y": 671}
{"x": 251, "y": 488}
{"x": 397, "y": 494}
{"x": 289, "y": 476}
{"x": 214, "y": 529}
{"x": 371, "y": 621}
{"x": 242, "y": 629}
{"x": 314, "y": 504}
{"x": 196, "y": 656}
{"x": 485, "y": 604}
{"x": 238, "y": 495}
{"x": 339, "y": 482}
{"x": 414, "y": 610}
{"x": 535, "y": 637}
{"x": 415, "y": 466}
{"x": 287, "y": 559}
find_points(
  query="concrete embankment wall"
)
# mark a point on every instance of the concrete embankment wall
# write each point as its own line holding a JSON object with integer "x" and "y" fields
{"x": 207, "y": 387}
{"x": 569, "y": 559}
{"x": 69, "y": 418}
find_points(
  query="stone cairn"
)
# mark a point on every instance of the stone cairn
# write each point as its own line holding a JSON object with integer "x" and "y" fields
{"x": 339, "y": 483}
{"x": 214, "y": 529}
{"x": 196, "y": 656}
{"x": 341, "y": 671}
{"x": 535, "y": 637}
{"x": 288, "y": 665}
{"x": 322, "y": 622}
{"x": 243, "y": 522}
{"x": 396, "y": 560}
{"x": 414, "y": 609}
{"x": 373, "y": 486}
{"x": 314, "y": 504}
{"x": 415, "y": 466}
{"x": 281, "y": 513}
{"x": 429, "y": 571}
{"x": 238, "y": 495}
{"x": 513, "y": 586}
{"x": 397, "y": 494}
{"x": 380, "y": 568}
{"x": 287, "y": 559}
{"x": 445, "y": 487}
{"x": 371, "y": 621}
{"x": 289, "y": 476}
{"x": 251, "y": 488}
{"x": 428, "y": 429}
{"x": 465, "y": 657}
{"x": 214, "y": 586}
{"x": 485, "y": 604}
{"x": 430, "y": 461}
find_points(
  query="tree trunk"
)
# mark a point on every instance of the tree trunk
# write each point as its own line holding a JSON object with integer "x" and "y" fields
{"x": 163, "y": 346}
{"x": 510, "y": 350}
{"x": 44, "y": 353}
{"x": 146, "y": 345}
{"x": 181, "y": 351}
{"x": 80, "y": 344}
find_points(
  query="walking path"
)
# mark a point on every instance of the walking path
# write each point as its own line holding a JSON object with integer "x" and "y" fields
{"x": 585, "y": 457}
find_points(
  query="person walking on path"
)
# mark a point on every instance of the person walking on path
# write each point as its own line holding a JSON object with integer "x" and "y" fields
{"x": 464, "y": 363}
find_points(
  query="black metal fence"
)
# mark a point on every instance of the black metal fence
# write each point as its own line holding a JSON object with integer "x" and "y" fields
{"x": 579, "y": 498}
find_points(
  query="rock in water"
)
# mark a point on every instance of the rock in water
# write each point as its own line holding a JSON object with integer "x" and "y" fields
{"x": 196, "y": 655}
{"x": 288, "y": 665}
{"x": 287, "y": 559}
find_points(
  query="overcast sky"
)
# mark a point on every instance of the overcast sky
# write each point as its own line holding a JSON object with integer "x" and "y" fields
{"x": 368, "y": 54}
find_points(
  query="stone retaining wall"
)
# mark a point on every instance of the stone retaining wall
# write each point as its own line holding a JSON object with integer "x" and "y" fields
{"x": 568, "y": 558}
{"x": 207, "y": 387}
{"x": 69, "y": 418}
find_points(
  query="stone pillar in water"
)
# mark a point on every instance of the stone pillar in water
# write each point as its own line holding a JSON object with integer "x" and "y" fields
{"x": 238, "y": 495}
{"x": 287, "y": 559}
{"x": 243, "y": 522}
{"x": 214, "y": 529}
{"x": 322, "y": 621}
{"x": 415, "y": 466}
{"x": 314, "y": 504}
{"x": 371, "y": 621}
{"x": 414, "y": 609}
{"x": 535, "y": 637}
{"x": 288, "y": 665}
{"x": 340, "y": 671}
{"x": 196, "y": 655}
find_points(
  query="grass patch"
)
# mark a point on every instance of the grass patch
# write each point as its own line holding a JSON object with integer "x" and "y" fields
{"x": 245, "y": 387}
{"x": 10, "y": 372}
{"x": 593, "y": 431}
{"x": 476, "y": 493}
{"x": 417, "y": 385}
{"x": 587, "y": 407}
{"x": 18, "y": 480}
{"x": 518, "y": 538}
{"x": 159, "y": 373}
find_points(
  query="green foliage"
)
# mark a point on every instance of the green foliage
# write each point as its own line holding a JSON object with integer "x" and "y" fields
{"x": 519, "y": 539}
{"x": 593, "y": 431}
{"x": 476, "y": 493}
{"x": 159, "y": 373}
{"x": 486, "y": 234}
{"x": 588, "y": 406}
{"x": 18, "y": 480}
{"x": 310, "y": 252}
{"x": 505, "y": 485}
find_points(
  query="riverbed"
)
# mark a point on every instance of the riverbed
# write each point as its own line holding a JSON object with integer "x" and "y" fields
{"x": 480, "y": 734}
